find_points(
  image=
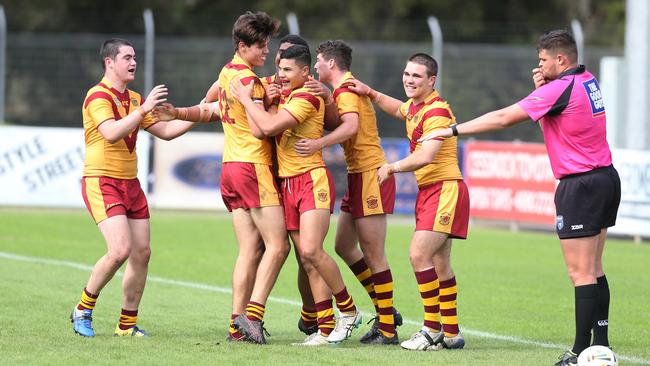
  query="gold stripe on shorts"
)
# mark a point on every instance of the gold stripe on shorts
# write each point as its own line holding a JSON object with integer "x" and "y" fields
{"x": 96, "y": 199}
{"x": 446, "y": 207}
{"x": 321, "y": 188}
{"x": 268, "y": 195}
{"x": 371, "y": 193}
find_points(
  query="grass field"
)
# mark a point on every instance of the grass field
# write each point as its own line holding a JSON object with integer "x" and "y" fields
{"x": 515, "y": 300}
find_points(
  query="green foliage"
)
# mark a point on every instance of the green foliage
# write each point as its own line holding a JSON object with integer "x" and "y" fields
{"x": 511, "y": 284}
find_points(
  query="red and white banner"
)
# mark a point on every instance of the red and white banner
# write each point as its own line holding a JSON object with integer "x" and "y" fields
{"x": 510, "y": 181}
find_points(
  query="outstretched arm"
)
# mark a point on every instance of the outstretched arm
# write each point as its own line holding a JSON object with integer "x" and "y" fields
{"x": 387, "y": 103}
{"x": 202, "y": 112}
{"x": 171, "y": 129}
{"x": 491, "y": 121}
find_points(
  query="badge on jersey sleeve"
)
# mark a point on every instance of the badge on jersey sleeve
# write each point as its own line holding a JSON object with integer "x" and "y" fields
{"x": 595, "y": 97}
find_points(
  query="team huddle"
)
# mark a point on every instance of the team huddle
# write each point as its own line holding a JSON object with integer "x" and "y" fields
{"x": 279, "y": 190}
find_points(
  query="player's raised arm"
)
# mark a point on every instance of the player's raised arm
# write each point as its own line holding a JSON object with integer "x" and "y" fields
{"x": 387, "y": 103}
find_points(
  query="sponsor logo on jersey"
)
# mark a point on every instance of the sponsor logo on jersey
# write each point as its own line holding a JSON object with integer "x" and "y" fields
{"x": 595, "y": 97}
{"x": 577, "y": 227}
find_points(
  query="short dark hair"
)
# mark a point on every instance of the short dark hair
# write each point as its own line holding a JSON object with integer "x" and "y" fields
{"x": 294, "y": 39}
{"x": 426, "y": 60}
{"x": 110, "y": 48}
{"x": 559, "y": 40}
{"x": 337, "y": 50}
{"x": 300, "y": 54}
{"x": 254, "y": 28}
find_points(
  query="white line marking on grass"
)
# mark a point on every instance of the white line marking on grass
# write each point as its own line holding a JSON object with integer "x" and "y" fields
{"x": 226, "y": 290}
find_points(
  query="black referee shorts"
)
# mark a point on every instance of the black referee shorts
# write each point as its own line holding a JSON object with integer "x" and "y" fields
{"x": 587, "y": 202}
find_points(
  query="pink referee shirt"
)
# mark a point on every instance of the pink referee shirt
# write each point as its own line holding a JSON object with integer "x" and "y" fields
{"x": 571, "y": 112}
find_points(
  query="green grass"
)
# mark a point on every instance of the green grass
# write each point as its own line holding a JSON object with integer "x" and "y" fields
{"x": 511, "y": 285}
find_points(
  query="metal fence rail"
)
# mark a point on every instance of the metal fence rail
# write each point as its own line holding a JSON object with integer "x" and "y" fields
{"x": 49, "y": 74}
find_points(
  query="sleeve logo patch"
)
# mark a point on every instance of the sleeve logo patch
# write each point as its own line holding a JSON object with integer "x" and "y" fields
{"x": 595, "y": 97}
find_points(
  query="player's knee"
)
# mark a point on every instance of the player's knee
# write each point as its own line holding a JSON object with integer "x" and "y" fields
{"x": 117, "y": 257}
{"x": 142, "y": 255}
{"x": 417, "y": 260}
{"x": 252, "y": 254}
{"x": 310, "y": 255}
{"x": 285, "y": 250}
{"x": 304, "y": 270}
{"x": 279, "y": 252}
{"x": 581, "y": 276}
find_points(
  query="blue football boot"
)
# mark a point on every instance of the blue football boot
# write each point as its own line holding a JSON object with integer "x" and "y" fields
{"x": 82, "y": 322}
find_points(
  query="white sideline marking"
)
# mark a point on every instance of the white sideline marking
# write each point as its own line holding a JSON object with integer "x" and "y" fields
{"x": 226, "y": 290}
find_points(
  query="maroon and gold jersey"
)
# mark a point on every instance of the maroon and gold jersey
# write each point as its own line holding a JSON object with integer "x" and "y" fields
{"x": 422, "y": 119}
{"x": 118, "y": 160}
{"x": 240, "y": 145}
{"x": 363, "y": 151}
{"x": 309, "y": 110}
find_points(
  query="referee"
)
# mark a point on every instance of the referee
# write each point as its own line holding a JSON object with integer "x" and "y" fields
{"x": 568, "y": 104}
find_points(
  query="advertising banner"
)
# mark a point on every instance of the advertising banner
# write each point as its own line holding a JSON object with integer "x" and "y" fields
{"x": 187, "y": 172}
{"x": 510, "y": 181}
{"x": 42, "y": 166}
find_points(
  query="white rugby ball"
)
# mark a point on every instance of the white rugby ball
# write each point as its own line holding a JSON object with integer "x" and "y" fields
{"x": 597, "y": 356}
